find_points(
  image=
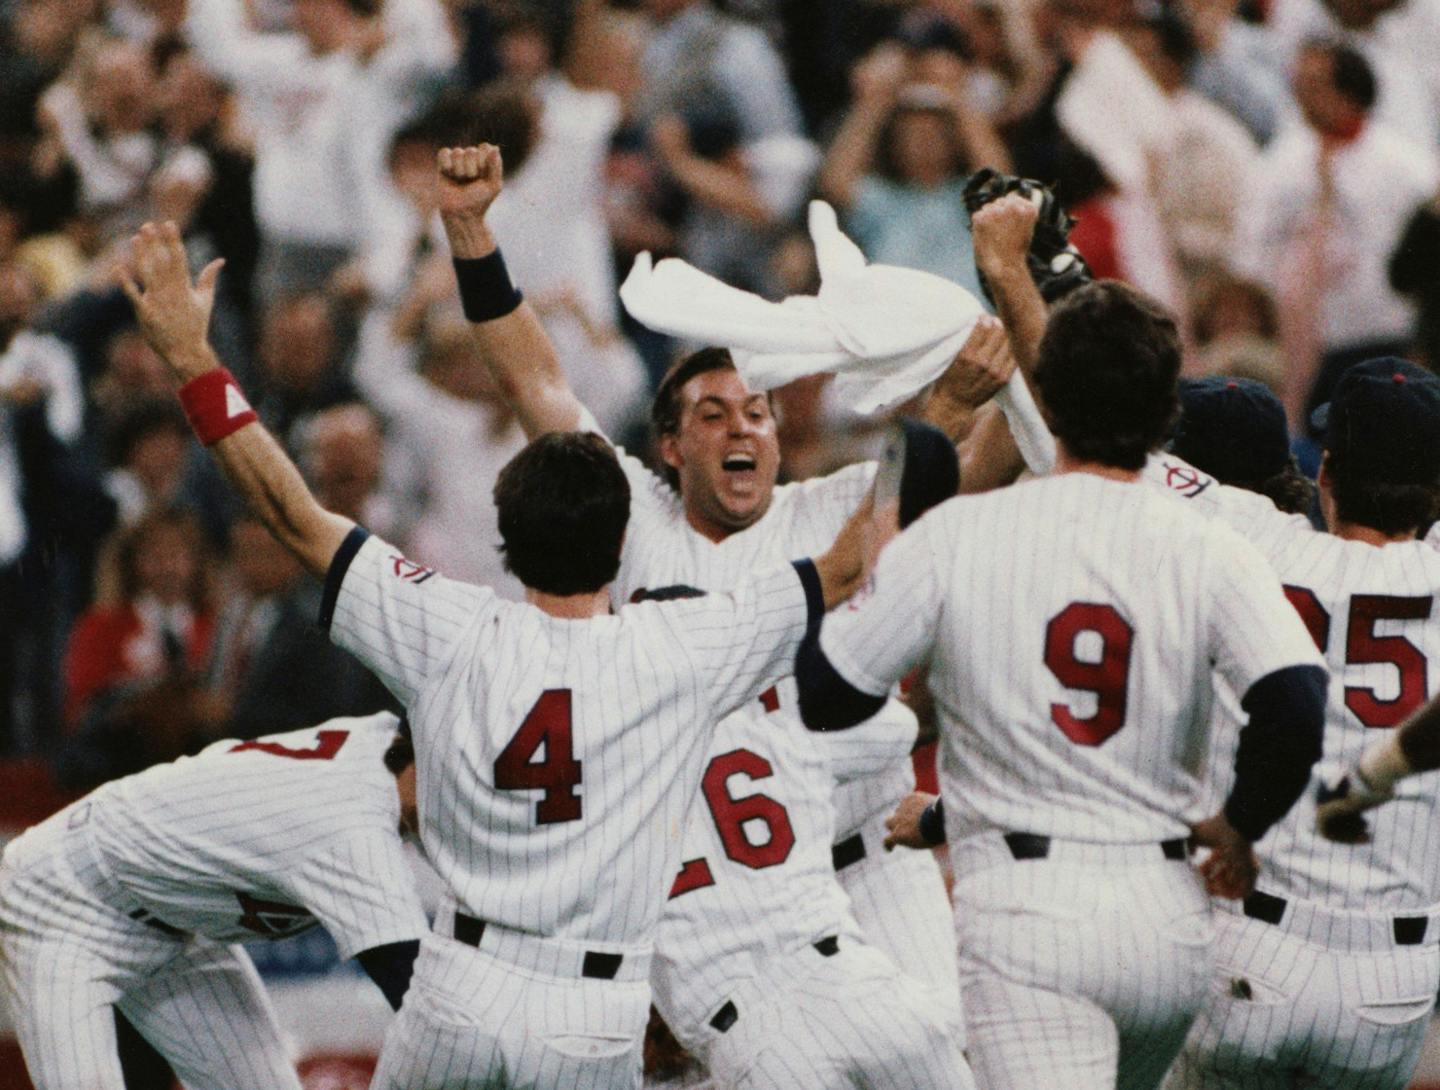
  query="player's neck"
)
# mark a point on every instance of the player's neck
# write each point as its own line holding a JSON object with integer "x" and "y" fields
{"x": 1354, "y": 531}
{"x": 571, "y": 607}
{"x": 1065, "y": 462}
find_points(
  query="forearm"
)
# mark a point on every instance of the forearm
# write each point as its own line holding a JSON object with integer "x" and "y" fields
{"x": 1278, "y": 747}
{"x": 851, "y": 152}
{"x": 715, "y": 186}
{"x": 272, "y": 488}
{"x": 1411, "y": 749}
{"x": 515, "y": 348}
{"x": 1021, "y": 310}
{"x": 989, "y": 456}
{"x": 982, "y": 143}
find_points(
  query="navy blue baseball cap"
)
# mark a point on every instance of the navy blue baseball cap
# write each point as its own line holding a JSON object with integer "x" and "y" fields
{"x": 1383, "y": 422}
{"x": 1232, "y": 428}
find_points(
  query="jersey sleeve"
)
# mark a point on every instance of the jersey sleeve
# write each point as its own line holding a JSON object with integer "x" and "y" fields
{"x": 881, "y": 742}
{"x": 652, "y": 500}
{"x": 746, "y": 640}
{"x": 1250, "y": 514}
{"x": 399, "y": 618}
{"x": 875, "y": 640}
{"x": 1253, "y": 629}
{"x": 362, "y": 891}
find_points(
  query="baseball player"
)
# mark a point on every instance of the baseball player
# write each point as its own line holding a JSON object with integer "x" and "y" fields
{"x": 558, "y": 746}
{"x": 761, "y": 970}
{"x": 1328, "y": 972}
{"x": 132, "y": 898}
{"x": 1071, "y": 625}
{"x": 714, "y": 516}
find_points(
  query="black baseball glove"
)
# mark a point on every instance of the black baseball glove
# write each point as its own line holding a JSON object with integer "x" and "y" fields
{"x": 1056, "y": 266}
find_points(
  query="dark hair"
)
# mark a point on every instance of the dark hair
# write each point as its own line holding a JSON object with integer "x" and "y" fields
{"x": 401, "y": 754}
{"x": 887, "y": 164}
{"x": 504, "y": 114}
{"x": 563, "y": 504}
{"x": 1175, "y": 37}
{"x": 1390, "y": 508}
{"x": 1350, "y": 73}
{"x": 1289, "y": 490}
{"x": 1107, "y": 370}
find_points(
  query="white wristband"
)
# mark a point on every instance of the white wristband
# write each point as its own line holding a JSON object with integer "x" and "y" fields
{"x": 1382, "y": 764}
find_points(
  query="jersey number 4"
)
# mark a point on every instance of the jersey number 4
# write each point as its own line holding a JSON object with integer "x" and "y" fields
{"x": 731, "y": 816}
{"x": 557, "y": 773}
{"x": 1363, "y": 647}
{"x": 1106, "y": 673}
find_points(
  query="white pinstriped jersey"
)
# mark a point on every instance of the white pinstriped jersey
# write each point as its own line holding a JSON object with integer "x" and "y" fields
{"x": 1372, "y": 612}
{"x": 557, "y": 759}
{"x": 756, "y": 877}
{"x": 662, "y": 549}
{"x": 264, "y": 839}
{"x": 1072, "y": 624}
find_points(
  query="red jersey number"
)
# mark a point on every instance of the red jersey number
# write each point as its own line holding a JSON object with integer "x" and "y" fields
{"x": 1107, "y": 677}
{"x": 557, "y": 773}
{"x": 327, "y": 744}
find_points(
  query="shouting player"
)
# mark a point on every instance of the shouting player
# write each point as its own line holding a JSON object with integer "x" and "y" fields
{"x": 1071, "y": 625}
{"x": 558, "y": 746}
{"x": 717, "y": 514}
{"x": 131, "y": 899}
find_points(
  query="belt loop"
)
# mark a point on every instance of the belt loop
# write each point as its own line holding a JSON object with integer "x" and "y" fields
{"x": 724, "y": 1018}
{"x": 1410, "y": 930}
{"x": 1265, "y": 907}
{"x": 468, "y": 929}
{"x": 598, "y": 966}
{"x": 848, "y": 852}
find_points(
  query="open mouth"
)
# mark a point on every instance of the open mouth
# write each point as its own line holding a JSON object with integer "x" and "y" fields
{"x": 738, "y": 463}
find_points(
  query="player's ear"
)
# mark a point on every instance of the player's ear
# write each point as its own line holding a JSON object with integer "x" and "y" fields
{"x": 670, "y": 450}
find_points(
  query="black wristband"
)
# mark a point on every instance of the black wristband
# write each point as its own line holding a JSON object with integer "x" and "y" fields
{"x": 932, "y": 823}
{"x": 486, "y": 290}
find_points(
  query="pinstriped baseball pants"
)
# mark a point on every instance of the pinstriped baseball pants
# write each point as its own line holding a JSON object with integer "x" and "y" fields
{"x": 67, "y": 960}
{"x": 1284, "y": 1013}
{"x": 1079, "y": 975}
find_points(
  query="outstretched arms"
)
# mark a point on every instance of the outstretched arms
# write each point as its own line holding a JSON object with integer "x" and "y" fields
{"x": 174, "y": 315}
{"x": 512, "y": 342}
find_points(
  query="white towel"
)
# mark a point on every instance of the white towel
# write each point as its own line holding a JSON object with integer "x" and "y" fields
{"x": 884, "y": 332}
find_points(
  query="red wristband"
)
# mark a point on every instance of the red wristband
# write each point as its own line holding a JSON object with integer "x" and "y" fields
{"x": 215, "y": 406}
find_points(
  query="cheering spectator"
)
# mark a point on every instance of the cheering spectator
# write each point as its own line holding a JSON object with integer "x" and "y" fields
{"x": 1318, "y": 231}
{"x": 298, "y": 364}
{"x": 898, "y": 165}
{"x": 1415, "y": 273}
{"x": 341, "y": 451}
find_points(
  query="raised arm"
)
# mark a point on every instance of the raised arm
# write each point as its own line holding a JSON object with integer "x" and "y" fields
{"x": 174, "y": 315}
{"x": 507, "y": 332}
{"x": 1002, "y": 232}
{"x": 877, "y": 83}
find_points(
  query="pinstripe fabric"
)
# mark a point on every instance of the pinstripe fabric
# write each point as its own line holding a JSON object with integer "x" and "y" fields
{"x": 1319, "y": 1007}
{"x": 1286, "y": 1013}
{"x": 471, "y": 1022}
{"x": 1079, "y": 975}
{"x": 809, "y": 1021}
{"x": 67, "y": 959}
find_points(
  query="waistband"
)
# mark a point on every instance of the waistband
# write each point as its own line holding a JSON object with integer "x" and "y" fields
{"x": 729, "y": 1012}
{"x": 989, "y": 849}
{"x": 1337, "y": 930}
{"x": 561, "y": 958}
{"x": 91, "y": 870}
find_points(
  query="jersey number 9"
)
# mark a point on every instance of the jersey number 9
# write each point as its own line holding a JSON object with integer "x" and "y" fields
{"x": 1107, "y": 676}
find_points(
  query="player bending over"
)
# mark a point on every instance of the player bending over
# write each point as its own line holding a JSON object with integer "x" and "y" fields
{"x": 558, "y": 746}
{"x": 132, "y": 899}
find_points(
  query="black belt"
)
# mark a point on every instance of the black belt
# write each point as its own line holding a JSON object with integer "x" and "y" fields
{"x": 848, "y": 852}
{"x": 142, "y": 916}
{"x": 1033, "y": 846}
{"x": 727, "y": 1015}
{"x": 1267, "y": 908}
{"x": 595, "y": 964}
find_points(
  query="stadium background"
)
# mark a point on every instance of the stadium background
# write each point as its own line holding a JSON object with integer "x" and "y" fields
{"x": 1266, "y": 167}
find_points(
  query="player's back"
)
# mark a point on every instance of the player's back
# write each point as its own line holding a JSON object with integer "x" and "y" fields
{"x": 259, "y": 838}
{"x": 756, "y": 877}
{"x": 1079, "y": 621}
{"x": 558, "y": 758}
{"x": 1371, "y": 612}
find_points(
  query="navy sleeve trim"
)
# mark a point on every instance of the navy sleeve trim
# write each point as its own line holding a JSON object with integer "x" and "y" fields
{"x": 932, "y": 823}
{"x": 1278, "y": 747}
{"x": 827, "y": 700}
{"x": 339, "y": 565}
{"x": 814, "y": 594}
{"x": 390, "y": 967}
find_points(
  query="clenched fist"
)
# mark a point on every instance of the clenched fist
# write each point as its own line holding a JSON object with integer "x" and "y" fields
{"x": 470, "y": 180}
{"x": 1002, "y": 231}
{"x": 904, "y": 823}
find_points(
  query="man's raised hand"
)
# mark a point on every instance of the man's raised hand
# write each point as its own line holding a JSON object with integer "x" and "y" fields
{"x": 1002, "y": 231}
{"x": 174, "y": 314}
{"x": 470, "y": 180}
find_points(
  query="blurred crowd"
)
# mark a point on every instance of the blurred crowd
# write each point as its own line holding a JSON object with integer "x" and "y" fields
{"x": 1268, "y": 169}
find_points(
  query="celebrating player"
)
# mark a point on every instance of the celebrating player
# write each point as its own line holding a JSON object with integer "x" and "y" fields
{"x": 130, "y": 900}
{"x": 558, "y": 747}
{"x": 717, "y": 515}
{"x": 1071, "y": 625}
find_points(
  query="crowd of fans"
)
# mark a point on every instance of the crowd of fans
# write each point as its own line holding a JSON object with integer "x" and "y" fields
{"x": 1267, "y": 169}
